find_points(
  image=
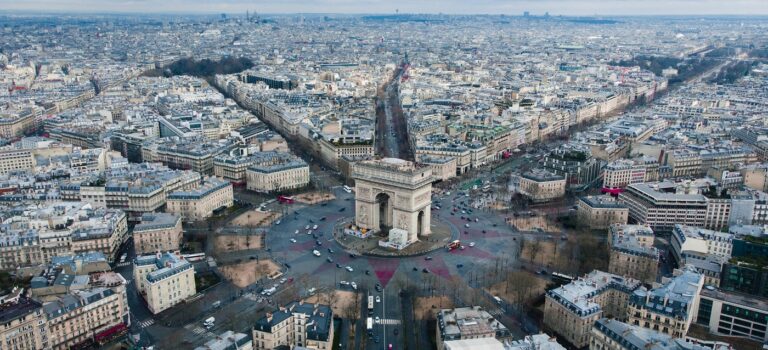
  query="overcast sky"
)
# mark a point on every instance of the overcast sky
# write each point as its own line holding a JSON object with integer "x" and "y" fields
{"x": 510, "y": 7}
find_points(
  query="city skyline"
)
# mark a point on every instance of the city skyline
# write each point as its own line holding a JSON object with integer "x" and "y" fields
{"x": 553, "y": 7}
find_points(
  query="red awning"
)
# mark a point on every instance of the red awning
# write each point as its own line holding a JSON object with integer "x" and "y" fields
{"x": 105, "y": 334}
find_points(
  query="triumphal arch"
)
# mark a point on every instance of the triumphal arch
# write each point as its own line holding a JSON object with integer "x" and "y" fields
{"x": 392, "y": 193}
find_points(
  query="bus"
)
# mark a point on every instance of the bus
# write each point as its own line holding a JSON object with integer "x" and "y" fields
{"x": 347, "y": 189}
{"x": 454, "y": 245}
{"x": 285, "y": 199}
{"x": 194, "y": 257}
{"x": 370, "y": 304}
{"x": 561, "y": 277}
{"x": 369, "y": 323}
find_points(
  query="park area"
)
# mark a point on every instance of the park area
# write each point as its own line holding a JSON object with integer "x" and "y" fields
{"x": 314, "y": 197}
{"x": 426, "y": 308}
{"x": 255, "y": 218}
{"x": 247, "y": 273}
{"x": 341, "y": 301}
{"x": 231, "y": 243}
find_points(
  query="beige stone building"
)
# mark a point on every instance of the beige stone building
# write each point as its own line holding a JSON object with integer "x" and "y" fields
{"x": 15, "y": 160}
{"x": 600, "y": 212}
{"x": 572, "y": 309}
{"x": 157, "y": 232}
{"x": 23, "y": 323}
{"x": 164, "y": 280}
{"x": 632, "y": 252}
{"x": 669, "y": 308}
{"x": 443, "y": 168}
{"x": 12, "y": 126}
{"x": 199, "y": 203}
{"x": 540, "y": 185}
{"x": 84, "y": 316}
{"x": 298, "y": 324}
{"x": 111, "y": 231}
{"x": 610, "y": 334}
{"x": 278, "y": 177}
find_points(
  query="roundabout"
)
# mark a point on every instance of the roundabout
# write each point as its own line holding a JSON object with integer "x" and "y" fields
{"x": 442, "y": 233}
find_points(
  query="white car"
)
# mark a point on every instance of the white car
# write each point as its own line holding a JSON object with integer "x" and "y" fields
{"x": 471, "y": 244}
{"x": 344, "y": 283}
{"x": 293, "y": 240}
{"x": 283, "y": 280}
{"x": 306, "y": 227}
{"x": 277, "y": 222}
{"x": 353, "y": 284}
{"x": 377, "y": 319}
{"x": 349, "y": 268}
{"x": 378, "y": 299}
{"x": 466, "y": 225}
{"x": 296, "y": 233}
{"x": 316, "y": 253}
{"x": 309, "y": 232}
{"x": 314, "y": 227}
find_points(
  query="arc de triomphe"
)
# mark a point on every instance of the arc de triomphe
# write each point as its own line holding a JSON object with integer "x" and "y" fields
{"x": 393, "y": 193}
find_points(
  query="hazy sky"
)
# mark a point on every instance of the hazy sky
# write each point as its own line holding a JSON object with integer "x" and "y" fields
{"x": 512, "y": 7}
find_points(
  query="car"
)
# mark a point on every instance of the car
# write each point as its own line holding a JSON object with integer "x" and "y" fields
{"x": 343, "y": 283}
{"x": 349, "y": 268}
{"x": 278, "y": 222}
{"x": 329, "y": 259}
{"x": 330, "y": 250}
{"x": 287, "y": 265}
{"x": 296, "y": 233}
{"x": 316, "y": 253}
{"x": 353, "y": 284}
{"x": 459, "y": 265}
{"x": 309, "y": 232}
{"x": 252, "y": 257}
{"x": 318, "y": 242}
{"x": 471, "y": 244}
{"x": 378, "y": 287}
{"x": 367, "y": 272}
{"x": 378, "y": 299}
{"x": 483, "y": 231}
{"x": 283, "y": 280}
{"x": 293, "y": 240}
{"x": 342, "y": 209}
{"x": 425, "y": 270}
{"x": 352, "y": 256}
{"x": 306, "y": 227}
{"x": 314, "y": 227}
{"x": 494, "y": 225}
{"x": 415, "y": 268}
{"x": 466, "y": 225}
{"x": 377, "y": 319}
{"x": 427, "y": 257}
{"x": 338, "y": 265}
{"x": 322, "y": 218}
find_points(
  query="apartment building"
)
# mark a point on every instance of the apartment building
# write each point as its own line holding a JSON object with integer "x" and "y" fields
{"x": 282, "y": 176}
{"x": 16, "y": 160}
{"x": 733, "y": 314}
{"x": 200, "y": 203}
{"x": 622, "y": 172}
{"x": 467, "y": 323}
{"x": 576, "y": 163}
{"x": 540, "y": 185}
{"x": 632, "y": 252}
{"x": 157, "y": 232}
{"x": 86, "y": 318}
{"x": 669, "y": 308}
{"x": 105, "y": 235}
{"x": 571, "y": 310}
{"x": 443, "y": 168}
{"x": 695, "y": 243}
{"x": 600, "y": 212}
{"x": 22, "y": 323}
{"x": 298, "y": 324}
{"x": 610, "y": 334}
{"x": 164, "y": 280}
{"x": 18, "y": 124}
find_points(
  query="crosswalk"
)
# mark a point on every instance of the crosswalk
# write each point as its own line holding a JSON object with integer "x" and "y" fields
{"x": 495, "y": 312}
{"x": 123, "y": 264}
{"x": 146, "y": 323}
{"x": 197, "y": 330}
{"x": 389, "y": 322}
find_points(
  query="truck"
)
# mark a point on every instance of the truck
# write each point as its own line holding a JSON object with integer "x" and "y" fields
{"x": 208, "y": 323}
{"x": 369, "y": 323}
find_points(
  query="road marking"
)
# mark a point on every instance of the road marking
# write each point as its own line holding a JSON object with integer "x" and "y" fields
{"x": 123, "y": 264}
{"x": 389, "y": 321}
{"x": 147, "y": 323}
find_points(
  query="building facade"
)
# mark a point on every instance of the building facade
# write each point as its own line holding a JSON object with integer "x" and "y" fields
{"x": 164, "y": 280}
{"x": 632, "y": 252}
{"x": 200, "y": 203}
{"x": 600, "y": 212}
{"x": 298, "y": 324}
{"x": 157, "y": 232}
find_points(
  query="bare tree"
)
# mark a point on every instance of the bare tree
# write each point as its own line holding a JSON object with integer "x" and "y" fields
{"x": 534, "y": 249}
